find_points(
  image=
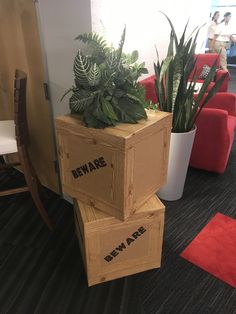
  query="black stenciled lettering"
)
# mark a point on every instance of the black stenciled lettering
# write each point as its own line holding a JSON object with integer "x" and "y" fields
{"x": 102, "y": 161}
{"x": 85, "y": 169}
{"x": 136, "y": 234}
{"x": 79, "y": 172}
{"x": 142, "y": 230}
{"x": 75, "y": 175}
{"x": 91, "y": 166}
{"x": 114, "y": 253}
{"x": 96, "y": 163}
{"x": 108, "y": 258}
{"x": 121, "y": 247}
{"x": 129, "y": 240}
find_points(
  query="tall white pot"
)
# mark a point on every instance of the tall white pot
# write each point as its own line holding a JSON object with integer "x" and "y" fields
{"x": 179, "y": 155}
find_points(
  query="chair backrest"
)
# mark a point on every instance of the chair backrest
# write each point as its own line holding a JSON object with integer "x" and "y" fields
{"x": 21, "y": 125}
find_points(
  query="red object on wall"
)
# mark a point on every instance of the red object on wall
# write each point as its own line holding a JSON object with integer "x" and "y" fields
{"x": 214, "y": 249}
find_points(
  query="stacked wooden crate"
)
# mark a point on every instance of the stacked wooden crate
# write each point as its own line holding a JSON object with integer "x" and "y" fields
{"x": 112, "y": 174}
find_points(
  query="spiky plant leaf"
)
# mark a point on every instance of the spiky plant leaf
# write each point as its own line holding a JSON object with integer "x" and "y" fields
{"x": 182, "y": 39}
{"x": 209, "y": 95}
{"x": 165, "y": 66}
{"x": 173, "y": 91}
{"x": 169, "y": 86}
{"x": 121, "y": 44}
{"x": 172, "y": 29}
{"x": 177, "y": 74}
{"x": 160, "y": 91}
{"x": 170, "y": 51}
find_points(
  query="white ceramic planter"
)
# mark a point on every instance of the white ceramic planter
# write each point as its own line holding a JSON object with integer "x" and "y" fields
{"x": 179, "y": 155}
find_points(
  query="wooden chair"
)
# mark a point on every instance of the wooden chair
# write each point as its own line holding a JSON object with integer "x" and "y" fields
{"x": 14, "y": 137}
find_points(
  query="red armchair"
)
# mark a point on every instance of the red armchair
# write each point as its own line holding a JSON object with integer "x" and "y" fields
{"x": 149, "y": 84}
{"x": 215, "y": 133}
{"x": 215, "y": 129}
{"x": 209, "y": 59}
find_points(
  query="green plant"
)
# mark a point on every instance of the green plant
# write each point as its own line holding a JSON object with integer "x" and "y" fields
{"x": 175, "y": 90}
{"x": 106, "y": 90}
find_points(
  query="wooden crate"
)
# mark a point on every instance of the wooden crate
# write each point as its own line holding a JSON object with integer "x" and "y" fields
{"x": 114, "y": 169}
{"x": 112, "y": 248}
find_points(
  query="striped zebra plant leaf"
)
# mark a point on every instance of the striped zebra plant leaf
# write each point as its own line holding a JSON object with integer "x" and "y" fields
{"x": 94, "y": 75}
{"x": 82, "y": 67}
{"x": 80, "y": 100}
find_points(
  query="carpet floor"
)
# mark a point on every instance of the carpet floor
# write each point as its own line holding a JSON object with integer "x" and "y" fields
{"x": 42, "y": 272}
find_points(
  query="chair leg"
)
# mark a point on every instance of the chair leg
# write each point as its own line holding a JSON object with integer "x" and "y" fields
{"x": 38, "y": 203}
{"x": 34, "y": 185}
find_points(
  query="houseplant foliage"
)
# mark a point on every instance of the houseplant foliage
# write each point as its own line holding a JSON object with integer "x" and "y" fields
{"x": 175, "y": 90}
{"x": 106, "y": 90}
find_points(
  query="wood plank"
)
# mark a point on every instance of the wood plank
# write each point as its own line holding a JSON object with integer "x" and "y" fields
{"x": 14, "y": 191}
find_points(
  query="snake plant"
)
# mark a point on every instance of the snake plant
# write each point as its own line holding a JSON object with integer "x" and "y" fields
{"x": 106, "y": 90}
{"x": 174, "y": 86}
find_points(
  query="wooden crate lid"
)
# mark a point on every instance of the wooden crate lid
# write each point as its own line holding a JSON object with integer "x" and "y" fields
{"x": 125, "y": 133}
{"x": 94, "y": 218}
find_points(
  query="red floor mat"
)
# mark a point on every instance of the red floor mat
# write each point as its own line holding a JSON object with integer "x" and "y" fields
{"x": 214, "y": 249}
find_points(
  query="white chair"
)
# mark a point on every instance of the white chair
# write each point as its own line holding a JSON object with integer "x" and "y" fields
{"x": 7, "y": 137}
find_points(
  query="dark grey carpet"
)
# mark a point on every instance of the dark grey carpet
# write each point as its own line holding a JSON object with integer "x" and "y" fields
{"x": 42, "y": 272}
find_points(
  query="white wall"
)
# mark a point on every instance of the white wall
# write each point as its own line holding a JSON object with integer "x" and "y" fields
{"x": 146, "y": 26}
{"x": 60, "y": 22}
